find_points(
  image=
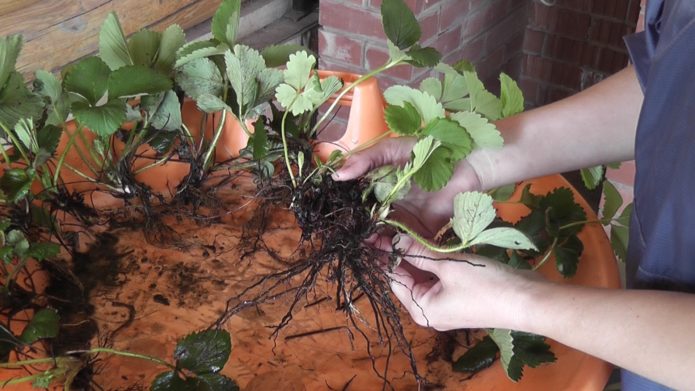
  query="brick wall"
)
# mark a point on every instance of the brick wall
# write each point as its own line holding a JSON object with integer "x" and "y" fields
{"x": 573, "y": 44}
{"x": 488, "y": 33}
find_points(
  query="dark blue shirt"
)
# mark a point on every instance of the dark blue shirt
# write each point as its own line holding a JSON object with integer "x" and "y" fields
{"x": 661, "y": 252}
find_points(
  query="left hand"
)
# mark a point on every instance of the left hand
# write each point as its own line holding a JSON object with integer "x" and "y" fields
{"x": 448, "y": 292}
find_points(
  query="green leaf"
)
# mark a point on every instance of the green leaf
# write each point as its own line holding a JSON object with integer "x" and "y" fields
{"x": 473, "y": 212}
{"x": 197, "y": 50}
{"x": 426, "y": 104}
{"x": 173, "y": 38}
{"x": 612, "y": 200}
{"x": 15, "y": 184}
{"x": 403, "y": 120}
{"x": 143, "y": 47}
{"x": 400, "y": 25}
{"x": 113, "y": 48}
{"x": 203, "y": 352}
{"x": 17, "y": 102}
{"x": 518, "y": 349}
{"x": 511, "y": 97}
{"x": 322, "y": 89}
{"x": 200, "y": 77}
{"x": 436, "y": 172}
{"x": 483, "y": 132}
{"x": 135, "y": 80}
{"x": 259, "y": 141}
{"x": 593, "y": 176}
{"x": 432, "y": 86}
{"x": 619, "y": 240}
{"x": 291, "y": 100}
{"x": 503, "y": 193}
{"x": 10, "y": 46}
{"x": 477, "y": 358}
{"x": 482, "y": 101}
{"x": 625, "y": 216}
{"x": 278, "y": 55}
{"x": 505, "y": 342}
{"x": 423, "y": 57}
{"x": 102, "y": 120}
{"x": 211, "y": 104}
{"x": 44, "y": 324}
{"x": 88, "y": 78}
{"x": 225, "y": 22}
{"x": 454, "y": 89}
{"x": 504, "y": 237}
{"x": 452, "y": 136}
{"x": 561, "y": 210}
{"x": 299, "y": 69}
{"x": 47, "y": 85}
{"x": 244, "y": 66}
{"x": 43, "y": 251}
{"x": 24, "y": 129}
{"x": 567, "y": 256}
{"x": 167, "y": 113}
{"x": 170, "y": 381}
{"x": 423, "y": 150}
{"x": 383, "y": 180}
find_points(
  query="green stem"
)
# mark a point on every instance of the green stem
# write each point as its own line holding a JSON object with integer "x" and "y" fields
{"x": 215, "y": 140}
{"x": 546, "y": 256}
{"x": 20, "y": 380}
{"x": 576, "y": 223}
{"x": 5, "y": 156}
{"x": 284, "y": 145}
{"x": 153, "y": 164}
{"x": 61, "y": 160}
{"x": 125, "y": 354}
{"x": 426, "y": 243}
{"x": 15, "y": 271}
{"x": 20, "y": 364}
{"x": 349, "y": 88}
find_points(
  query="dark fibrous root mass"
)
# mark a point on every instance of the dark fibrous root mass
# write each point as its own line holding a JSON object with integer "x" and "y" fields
{"x": 335, "y": 222}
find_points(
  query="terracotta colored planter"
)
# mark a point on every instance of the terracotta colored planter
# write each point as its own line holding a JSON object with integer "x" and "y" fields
{"x": 366, "y": 121}
{"x": 233, "y": 138}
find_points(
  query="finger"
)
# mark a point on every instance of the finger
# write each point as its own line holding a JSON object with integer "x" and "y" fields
{"x": 391, "y": 151}
{"x": 410, "y": 294}
{"x": 417, "y": 255}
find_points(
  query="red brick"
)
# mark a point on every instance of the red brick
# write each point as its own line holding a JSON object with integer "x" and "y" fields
{"x": 453, "y": 12}
{"x": 609, "y": 33}
{"x": 613, "y": 8}
{"x": 340, "y": 47}
{"x": 534, "y": 41}
{"x": 489, "y": 67}
{"x": 566, "y": 75}
{"x": 415, "y": 5}
{"x": 449, "y": 41}
{"x": 429, "y": 25}
{"x": 339, "y": 16}
{"x": 537, "y": 67}
{"x": 560, "y": 21}
{"x": 611, "y": 61}
{"x": 565, "y": 49}
{"x": 474, "y": 25}
{"x": 504, "y": 31}
{"x": 472, "y": 50}
{"x": 530, "y": 89}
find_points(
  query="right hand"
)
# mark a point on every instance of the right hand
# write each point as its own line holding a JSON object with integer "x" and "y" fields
{"x": 424, "y": 212}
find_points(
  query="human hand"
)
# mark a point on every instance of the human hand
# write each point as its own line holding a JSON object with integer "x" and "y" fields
{"x": 422, "y": 211}
{"x": 459, "y": 291}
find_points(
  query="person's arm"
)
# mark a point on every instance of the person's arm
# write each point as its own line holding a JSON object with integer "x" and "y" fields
{"x": 593, "y": 127}
{"x": 646, "y": 332}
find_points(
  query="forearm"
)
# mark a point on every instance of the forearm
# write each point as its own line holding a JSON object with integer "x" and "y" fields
{"x": 629, "y": 328}
{"x": 593, "y": 127}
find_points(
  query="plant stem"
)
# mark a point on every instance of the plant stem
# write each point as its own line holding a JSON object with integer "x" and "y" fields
{"x": 125, "y": 354}
{"x": 284, "y": 145}
{"x": 546, "y": 256}
{"x": 385, "y": 67}
{"x": 15, "y": 271}
{"x": 61, "y": 160}
{"x": 19, "y": 364}
{"x": 19, "y": 380}
{"x": 426, "y": 243}
{"x": 215, "y": 139}
{"x": 576, "y": 223}
{"x": 153, "y": 164}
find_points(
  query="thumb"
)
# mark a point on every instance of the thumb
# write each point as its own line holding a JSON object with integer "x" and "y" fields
{"x": 391, "y": 151}
{"x": 416, "y": 254}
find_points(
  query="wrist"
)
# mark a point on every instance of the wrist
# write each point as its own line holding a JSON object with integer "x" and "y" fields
{"x": 529, "y": 311}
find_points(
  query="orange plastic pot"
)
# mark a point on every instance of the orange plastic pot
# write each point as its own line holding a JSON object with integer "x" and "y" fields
{"x": 366, "y": 121}
{"x": 233, "y": 138}
{"x": 573, "y": 370}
